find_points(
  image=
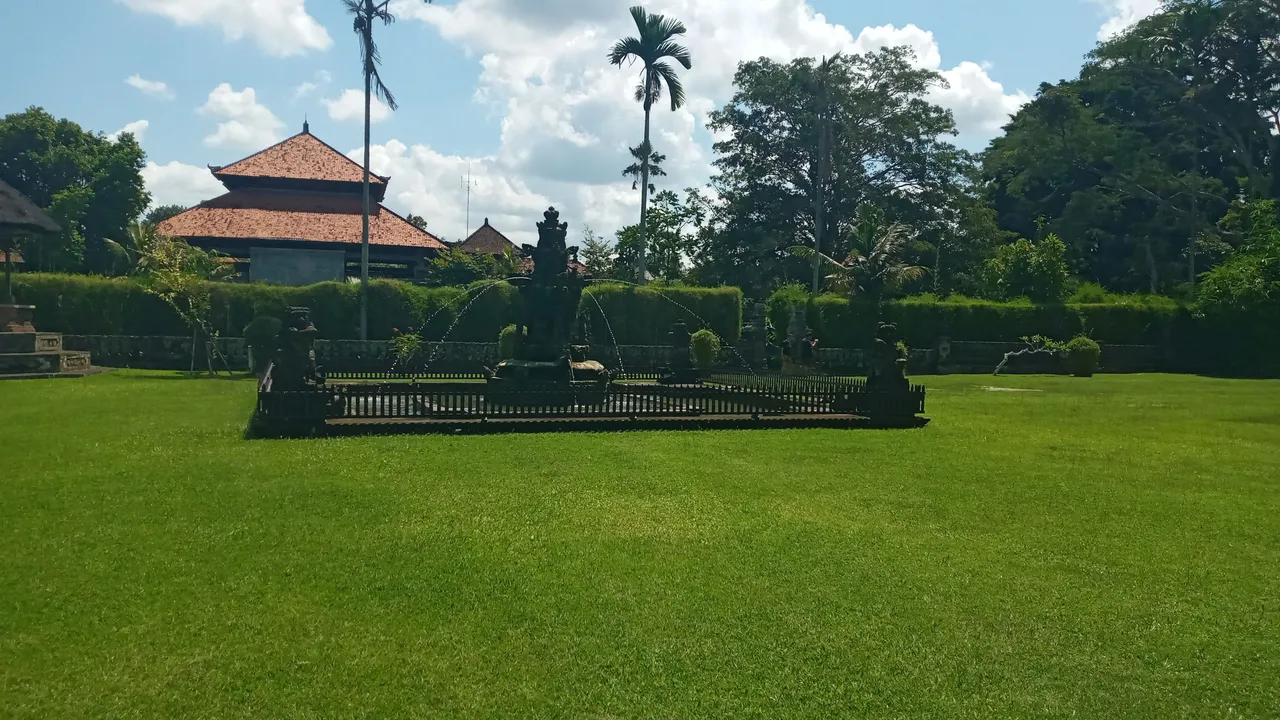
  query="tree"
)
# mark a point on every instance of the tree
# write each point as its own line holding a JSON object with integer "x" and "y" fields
{"x": 596, "y": 253}
{"x": 91, "y": 186}
{"x": 160, "y": 213}
{"x": 886, "y": 145}
{"x": 417, "y": 221}
{"x": 635, "y": 170}
{"x": 875, "y": 261}
{"x": 365, "y": 14}
{"x": 653, "y": 47}
{"x": 457, "y": 267}
{"x": 1248, "y": 281}
{"x": 181, "y": 275}
{"x": 1138, "y": 158}
{"x": 1037, "y": 271}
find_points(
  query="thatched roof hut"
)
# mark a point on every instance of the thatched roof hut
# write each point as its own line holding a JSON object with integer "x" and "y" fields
{"x": 18, "y": 214}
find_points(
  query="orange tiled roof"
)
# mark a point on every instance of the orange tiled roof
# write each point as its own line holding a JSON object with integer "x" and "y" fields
{"x": 487, "y": 240}
{"x": 308, "y": 216}
{"x": 301, "y": 157}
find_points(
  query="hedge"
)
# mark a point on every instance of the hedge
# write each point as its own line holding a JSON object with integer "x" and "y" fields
{"x": 88, "y": 305}
{"x": 644, "y": 316}
{"x": 839, "y": 323}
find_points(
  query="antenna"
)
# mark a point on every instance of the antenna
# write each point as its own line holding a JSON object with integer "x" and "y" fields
{"x": 466, "y": 182}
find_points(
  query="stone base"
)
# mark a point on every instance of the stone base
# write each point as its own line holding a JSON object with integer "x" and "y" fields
{"x": 17, "y": 318}
{"x": 43, "y": 363}
{"x": 30, "y": 342}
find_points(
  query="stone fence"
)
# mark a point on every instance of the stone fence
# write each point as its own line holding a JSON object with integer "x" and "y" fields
{"x": 175, "y": 353}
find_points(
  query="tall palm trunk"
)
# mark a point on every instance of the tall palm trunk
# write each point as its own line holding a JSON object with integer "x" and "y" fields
{"x": 364, "y": 230}
{"x": 644, "y": 195}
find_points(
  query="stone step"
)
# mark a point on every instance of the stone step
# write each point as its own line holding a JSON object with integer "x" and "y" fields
{"x": 30, "y": 342}
{"x": 43, "y": 363}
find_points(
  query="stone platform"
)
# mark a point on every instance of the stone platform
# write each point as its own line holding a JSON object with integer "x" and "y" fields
{"x": 25, "y": 353}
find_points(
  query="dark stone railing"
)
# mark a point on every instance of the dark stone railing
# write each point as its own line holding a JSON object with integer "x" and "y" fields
{"x": 736, "y": 399}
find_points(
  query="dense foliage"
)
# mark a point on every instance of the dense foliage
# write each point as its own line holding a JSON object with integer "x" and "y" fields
{"x": 91, "y": 185}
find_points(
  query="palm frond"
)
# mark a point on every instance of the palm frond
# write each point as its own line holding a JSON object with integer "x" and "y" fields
{"x": 675, "y": 51}
{"x": 626, "y": 49}
{"x": 666, "y": 27}
{"x": 674, "y": 86}
{"x": 909, "y": 273}
{"x": 805, "y": 252}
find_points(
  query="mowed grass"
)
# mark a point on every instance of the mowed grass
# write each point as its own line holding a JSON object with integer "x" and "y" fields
{"x": 1105, "y": 547}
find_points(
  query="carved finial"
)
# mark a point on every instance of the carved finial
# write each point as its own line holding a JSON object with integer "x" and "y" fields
{"x": 306, "y": 126}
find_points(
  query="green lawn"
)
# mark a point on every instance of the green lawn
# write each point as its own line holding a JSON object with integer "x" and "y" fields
{"x": 1107, "y": 547}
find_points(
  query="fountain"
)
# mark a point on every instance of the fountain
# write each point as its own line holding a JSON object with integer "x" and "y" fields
{"x": 547, "y": 369}
{"x": 550, "y": 385}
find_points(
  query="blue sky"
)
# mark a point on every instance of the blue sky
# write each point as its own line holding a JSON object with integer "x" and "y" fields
{"x": 518, "y": 90}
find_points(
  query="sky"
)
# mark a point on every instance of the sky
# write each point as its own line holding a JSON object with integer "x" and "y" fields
{"x": 517, "y": 93}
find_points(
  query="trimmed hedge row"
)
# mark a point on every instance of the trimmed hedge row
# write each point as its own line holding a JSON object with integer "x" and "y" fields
{"x": 85, "y": 305}
{"x": 644, "y": 316}
{"x": 88, "y": 305}
{"x": 840, "y": 323}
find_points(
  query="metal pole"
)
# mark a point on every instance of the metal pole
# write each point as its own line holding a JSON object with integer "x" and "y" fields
{"x": 8, "y": 275}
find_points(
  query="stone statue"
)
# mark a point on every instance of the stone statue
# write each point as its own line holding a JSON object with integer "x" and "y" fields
{"x": 888, "y": 362}
{"x": 680, "y": 370}
{"x": 295, "y": 360}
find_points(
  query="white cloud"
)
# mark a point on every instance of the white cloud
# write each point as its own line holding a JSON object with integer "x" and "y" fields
{"x": 154, "y": 88}
{"x": 180, "y": 184}
{"x": 279, "y": 27}
{"x": 1122, "y": 14}
{"x": 137, "y": 127}
{"x": 349, "y": 107}
{"x": 568, "y": 117}
{"x": 321, "y": 79}
{"x": 244, "y": 123}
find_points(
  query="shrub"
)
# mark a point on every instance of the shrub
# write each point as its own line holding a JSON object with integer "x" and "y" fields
{"x": 778, "y": 306}
{"x": 261, "y": 335}
{"x": 1082, "y": 356}
{"x": 405, "y": 346}
{"x": 705, "y": 346}
{"x": 507, "y": 342}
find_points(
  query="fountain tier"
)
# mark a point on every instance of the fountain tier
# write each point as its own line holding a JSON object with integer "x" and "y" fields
{"x": 545, "y": 363}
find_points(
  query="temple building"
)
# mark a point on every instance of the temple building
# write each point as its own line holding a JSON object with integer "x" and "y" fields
{"x": 292, "y": 215}
{"x": 488, "y": 240}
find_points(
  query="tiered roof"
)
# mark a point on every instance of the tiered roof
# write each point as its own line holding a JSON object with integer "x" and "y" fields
{"x": 299, "y": 189}
{"x": 284, "y": 215}
{"x": 488, "y": 241}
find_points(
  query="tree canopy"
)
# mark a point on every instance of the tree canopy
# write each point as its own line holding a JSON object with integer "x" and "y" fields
{"x": 91, "y": 185}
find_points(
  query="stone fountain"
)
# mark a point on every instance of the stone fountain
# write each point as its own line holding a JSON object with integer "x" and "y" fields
{"x": 546, "y": 368}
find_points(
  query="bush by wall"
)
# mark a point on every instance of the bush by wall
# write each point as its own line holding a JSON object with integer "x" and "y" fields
{"x": 644, "y": 316}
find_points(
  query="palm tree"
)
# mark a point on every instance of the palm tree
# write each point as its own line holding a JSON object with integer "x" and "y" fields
{"x": 365, "y": 13}
{"x": 825, "y": 141}
{"x": 875, "y": 261}
{"x": 652, "y": 48}
{"x": 636, "y": 169}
